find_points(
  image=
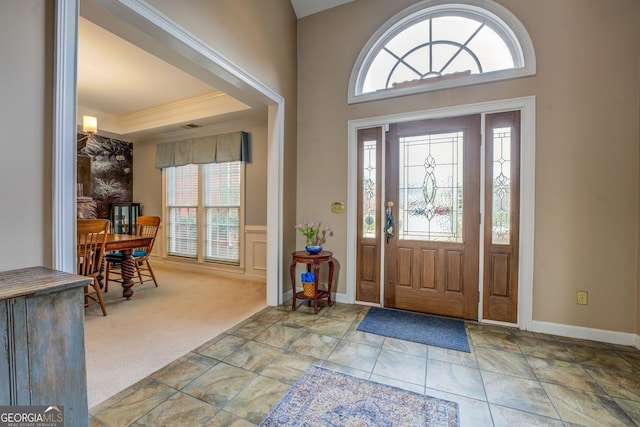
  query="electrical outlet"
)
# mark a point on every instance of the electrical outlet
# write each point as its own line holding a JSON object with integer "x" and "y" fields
{"x": 582, "y": 297}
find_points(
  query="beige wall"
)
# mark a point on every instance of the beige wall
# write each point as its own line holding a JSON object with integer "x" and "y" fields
{"x": 587, "y": 91}
{"x": 26, "y": 34}
{"x": 260, "y": 37}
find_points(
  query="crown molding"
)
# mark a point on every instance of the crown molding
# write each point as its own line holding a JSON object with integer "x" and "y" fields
{"x": 179, "y": 112}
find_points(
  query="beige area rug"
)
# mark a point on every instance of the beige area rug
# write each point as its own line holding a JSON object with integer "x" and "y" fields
{"x": 322, "y": 397}
{"x": 159, "y": 325}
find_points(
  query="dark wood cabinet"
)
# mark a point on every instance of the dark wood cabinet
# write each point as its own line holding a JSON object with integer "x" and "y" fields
{"x": 42, "y": 353}
{"x": 124, "y": 217}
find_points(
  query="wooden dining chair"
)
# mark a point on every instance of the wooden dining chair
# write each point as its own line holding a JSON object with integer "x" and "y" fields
{"x": 91, "y": 237}
{"x": 147, "y": 226}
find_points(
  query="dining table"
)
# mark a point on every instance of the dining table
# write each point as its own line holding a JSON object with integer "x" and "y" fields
{"x": 126, "y": 244}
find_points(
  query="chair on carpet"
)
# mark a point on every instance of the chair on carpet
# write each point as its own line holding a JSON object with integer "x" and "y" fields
{"x": 147, "y": 226}
{"x": 91, "y": 237}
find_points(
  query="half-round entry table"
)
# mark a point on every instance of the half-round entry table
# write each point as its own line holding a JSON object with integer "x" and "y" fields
{"x": 313, "y": 262}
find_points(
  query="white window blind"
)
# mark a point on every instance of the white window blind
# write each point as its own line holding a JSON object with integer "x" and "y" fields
{"x": 221, "y": 187}
{"x": 204, "y": 205}
{"x": 182, "y": 206}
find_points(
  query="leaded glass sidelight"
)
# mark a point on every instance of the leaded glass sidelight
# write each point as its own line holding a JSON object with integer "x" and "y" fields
{"x": 430, "y": 187}
{"x": 501, "y": 186}
{"x": 369, "y": 189}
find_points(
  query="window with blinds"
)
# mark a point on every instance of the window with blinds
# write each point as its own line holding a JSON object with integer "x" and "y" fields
{"x": 182, "y": 211}
{"x": 221, "y": 201}
{"x": 204, "y": 206}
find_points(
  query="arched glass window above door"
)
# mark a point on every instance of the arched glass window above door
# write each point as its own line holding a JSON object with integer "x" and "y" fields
{"x": 436, "y": 44}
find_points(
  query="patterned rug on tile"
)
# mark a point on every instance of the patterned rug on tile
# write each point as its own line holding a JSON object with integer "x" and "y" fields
{"x": 422, "y": 328}
{"x": 322, "y": 397}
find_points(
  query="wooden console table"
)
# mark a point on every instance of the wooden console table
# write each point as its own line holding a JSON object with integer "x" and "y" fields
{"x": 42, "y": 358}
{"x": 313, "y": 262}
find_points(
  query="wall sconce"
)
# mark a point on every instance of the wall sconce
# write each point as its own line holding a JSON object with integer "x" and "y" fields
{"x": 89, "y": 124}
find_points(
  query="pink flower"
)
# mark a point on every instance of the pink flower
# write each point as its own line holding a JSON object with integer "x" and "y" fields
{"x": 311, "y": 230}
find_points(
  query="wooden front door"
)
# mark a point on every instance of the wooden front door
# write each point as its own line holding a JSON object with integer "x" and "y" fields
{"x": 432, "y": 181}
{"x": 429, "y": 260}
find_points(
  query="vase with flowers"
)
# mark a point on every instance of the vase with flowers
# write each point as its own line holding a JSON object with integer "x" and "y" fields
{"x": 315, "y": 237}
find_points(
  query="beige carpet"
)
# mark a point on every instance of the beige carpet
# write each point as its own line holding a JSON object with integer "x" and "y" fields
{"x": 158, "y": 325}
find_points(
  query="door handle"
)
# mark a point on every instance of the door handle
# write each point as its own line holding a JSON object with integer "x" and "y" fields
{"x": 389, "y": 230}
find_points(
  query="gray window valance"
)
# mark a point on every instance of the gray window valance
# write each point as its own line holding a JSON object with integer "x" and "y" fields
{"x": 228, "y": 147}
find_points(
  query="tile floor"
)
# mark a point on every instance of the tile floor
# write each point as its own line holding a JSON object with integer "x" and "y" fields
{"x": 510, "y": 378}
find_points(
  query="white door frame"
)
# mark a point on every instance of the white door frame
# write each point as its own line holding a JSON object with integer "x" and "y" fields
{"x": 151, "y": 22}
{"x": 527, "y": 190}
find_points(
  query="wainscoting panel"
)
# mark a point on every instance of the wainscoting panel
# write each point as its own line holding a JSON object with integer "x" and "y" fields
{"x": 255, "y": 253}
{"x": 253, "y": 259}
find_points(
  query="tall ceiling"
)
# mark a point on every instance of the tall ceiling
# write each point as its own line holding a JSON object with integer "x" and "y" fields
{"x": 309, "y": 7}
{"x": 135, "y": 95}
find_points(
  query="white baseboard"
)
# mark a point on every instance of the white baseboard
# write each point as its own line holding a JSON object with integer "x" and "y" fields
{"x": 602, "y": 335}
